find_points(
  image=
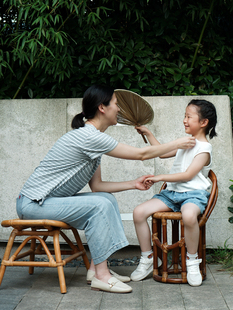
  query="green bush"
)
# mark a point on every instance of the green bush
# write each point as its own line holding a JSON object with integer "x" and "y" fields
{"x": 56, "y": 49}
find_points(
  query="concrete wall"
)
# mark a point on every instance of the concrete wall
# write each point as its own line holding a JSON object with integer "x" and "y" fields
{"x": 30, "y": 127}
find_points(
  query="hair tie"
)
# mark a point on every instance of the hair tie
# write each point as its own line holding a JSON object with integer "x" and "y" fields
{"x": 83, "y": 114}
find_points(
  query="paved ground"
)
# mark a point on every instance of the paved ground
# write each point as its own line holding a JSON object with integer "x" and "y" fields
{"x": 22, "y": 291}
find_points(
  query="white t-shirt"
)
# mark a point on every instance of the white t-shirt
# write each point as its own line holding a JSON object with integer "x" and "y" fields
{"x": 183, "y": 160}
{"x": 69, "y": 165}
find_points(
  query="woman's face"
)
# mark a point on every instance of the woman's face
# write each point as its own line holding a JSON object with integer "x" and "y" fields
{"x": 112, "y": 110}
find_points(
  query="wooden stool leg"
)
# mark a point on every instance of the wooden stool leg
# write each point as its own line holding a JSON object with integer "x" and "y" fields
{"x": 155, "y": 248}
{"x": 60, "y": 269}
{"x": 7, "y": 253}
{"x": 202, "y": 251}
{"x": 183, "y": 253}
{"x": 175, "y": 251}
{"x": 32, "y": 255}
{"x": 165, "y": 272}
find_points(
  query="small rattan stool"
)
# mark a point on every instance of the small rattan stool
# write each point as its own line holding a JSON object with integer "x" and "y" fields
{"x": 39, "y": 230}
{"x": 161, "y": 248}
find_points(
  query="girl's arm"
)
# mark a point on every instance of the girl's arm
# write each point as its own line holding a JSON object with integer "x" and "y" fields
{"x": 197, "y": 164}
{"x": 97, "y": 185}
{"x": 143, "y": 130}
{"x": 129, "y": 152}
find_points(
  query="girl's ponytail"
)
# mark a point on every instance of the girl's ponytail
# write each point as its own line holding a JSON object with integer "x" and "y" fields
{"x": 212, "y": 133}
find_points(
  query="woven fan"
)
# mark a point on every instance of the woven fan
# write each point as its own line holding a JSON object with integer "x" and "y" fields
{"x": 134, "y": 110}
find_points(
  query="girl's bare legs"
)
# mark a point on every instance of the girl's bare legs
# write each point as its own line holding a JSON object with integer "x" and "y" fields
{"x": 140, "y": 215}
{"x": 190, "y": 212}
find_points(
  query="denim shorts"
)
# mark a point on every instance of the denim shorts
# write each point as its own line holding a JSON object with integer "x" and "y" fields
{"x": 175, "y": 200}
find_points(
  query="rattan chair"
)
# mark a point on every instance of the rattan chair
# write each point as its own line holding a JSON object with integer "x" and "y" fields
{"x": 175, "y": 271}
{"x": 40, "y": 230}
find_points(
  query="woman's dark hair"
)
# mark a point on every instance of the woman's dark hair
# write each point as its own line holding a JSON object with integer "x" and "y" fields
{"x": 206, "y": 110}
{"x": 92, "y": 98}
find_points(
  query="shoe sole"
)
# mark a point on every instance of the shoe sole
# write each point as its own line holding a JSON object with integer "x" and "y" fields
{"x": 99, "y": 289}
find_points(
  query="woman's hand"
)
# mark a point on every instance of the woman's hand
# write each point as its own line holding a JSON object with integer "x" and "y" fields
{"x": 186, "y": 142}
{"x": 140, "y": 183}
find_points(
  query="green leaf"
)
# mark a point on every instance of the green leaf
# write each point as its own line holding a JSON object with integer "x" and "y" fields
{"x": 127, "y": 84}
{"x": 231, "y": 220}
{"x": 230, "y": 209}
{"x": 189, "y": 70}
{"x": 30, "y": 93}
{"x": 177, "y": 77}
{"x": 170, "y": 70}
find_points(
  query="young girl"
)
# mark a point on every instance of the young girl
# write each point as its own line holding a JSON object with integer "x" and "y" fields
{"x": 186, "y": 190}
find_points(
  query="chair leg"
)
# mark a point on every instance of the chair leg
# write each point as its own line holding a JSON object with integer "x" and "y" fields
{"x": 175, "y": 251}
{"x": 7, "y": 253}
{"x": 183, "y": 253}
{"x": 165, "y": 271}
{"x": 60, "y": 269}
{"x": 32, "y": 255}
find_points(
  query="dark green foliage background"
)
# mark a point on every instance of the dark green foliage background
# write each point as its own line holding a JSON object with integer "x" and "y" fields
{"x": 56, "y": 49}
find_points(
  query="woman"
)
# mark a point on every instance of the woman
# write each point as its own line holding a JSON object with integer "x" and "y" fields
{"x": 51, "y": 191}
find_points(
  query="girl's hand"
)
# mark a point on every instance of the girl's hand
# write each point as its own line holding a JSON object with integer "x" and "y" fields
{"x": 140, "y": 183}
{"x": 152, "y": 179}
{"x": 142, "y": 130}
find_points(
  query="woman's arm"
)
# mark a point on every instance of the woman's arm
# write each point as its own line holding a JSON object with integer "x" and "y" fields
{"x": 97, "y": 185}
{"x": 197, "y": 164}
{"x": 129, "y": 152}
{"x": 143, "y": 130}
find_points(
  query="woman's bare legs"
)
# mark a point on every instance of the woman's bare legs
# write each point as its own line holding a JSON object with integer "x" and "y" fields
{"x": 140, "y": 215}
{"x": 101, "y": 271}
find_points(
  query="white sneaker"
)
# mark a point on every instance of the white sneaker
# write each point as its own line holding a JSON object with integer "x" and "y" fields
{"x": 194, "y": 277}
{"x": 144, "y": 268}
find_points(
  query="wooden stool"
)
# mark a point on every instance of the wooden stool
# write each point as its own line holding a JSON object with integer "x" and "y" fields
{"x": 40, "y": 230}
{"x": 161, "y": 246}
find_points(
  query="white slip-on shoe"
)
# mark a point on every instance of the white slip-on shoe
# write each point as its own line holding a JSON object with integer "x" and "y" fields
{"x": 144, "y": 268}
{"x": 194, "y": 277}
{"x": 113, "y": 286}
{"x": 91, "y": 274}
{"x": 123, "y": 279}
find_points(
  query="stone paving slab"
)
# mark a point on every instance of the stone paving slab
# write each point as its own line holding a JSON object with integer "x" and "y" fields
{"x": 41, "y": 291}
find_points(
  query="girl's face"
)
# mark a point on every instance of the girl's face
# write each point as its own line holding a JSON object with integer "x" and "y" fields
{"x": 192, "y": 122}
{"x": 112, "y": 110}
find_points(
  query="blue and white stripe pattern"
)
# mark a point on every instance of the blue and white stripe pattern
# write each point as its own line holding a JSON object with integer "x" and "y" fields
{"x": 69, "y": 165}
